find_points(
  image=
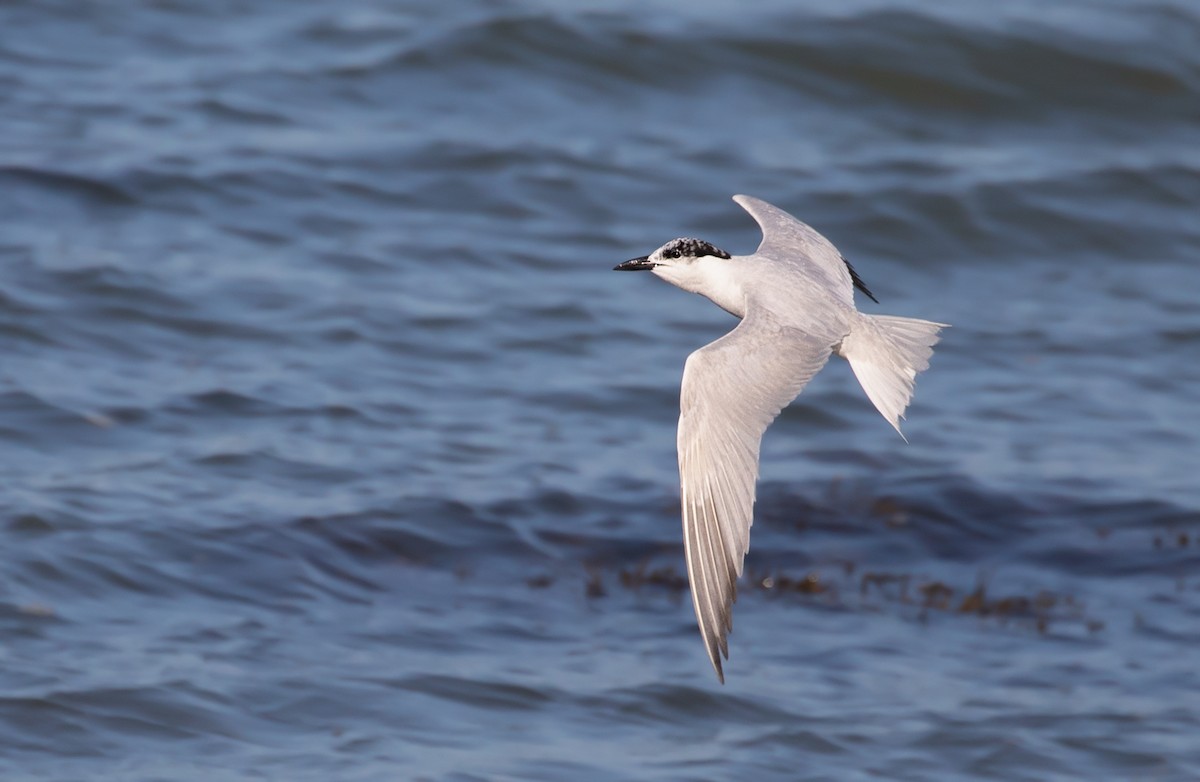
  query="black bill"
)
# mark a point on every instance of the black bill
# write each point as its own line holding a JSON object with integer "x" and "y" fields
{"x": 634, "y": 265}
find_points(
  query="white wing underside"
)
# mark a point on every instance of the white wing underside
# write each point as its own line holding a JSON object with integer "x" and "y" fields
{"x": 732, "y": 390}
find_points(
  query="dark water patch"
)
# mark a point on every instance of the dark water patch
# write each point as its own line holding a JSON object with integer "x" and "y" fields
{"x": 379, "y": 191}
{"x": 226, "y": 110}
{"x": 966, "y": 554}
{"x": 1119, "y": 540}
{"x": 161, "y": 323}
{"x": 25, "y": 335}
{"x": 253, "y": 184}
{"x": 102, "y": 308}
{"x": 1153, "y": 623}
{"x": 223, "y": 402}
{"x": 784, "y": 741}
{"x": 906, "y": 58}
{"x": 1064, "y": 203}
{"x": 1182, "y": 336}
{"x": 479, "y": 694}
{"x": 65, "y": 722}
{"x": 1083, "y": 70}
{"x": 420, "y": 532}
{"x": 668, "y": 704}
{"x": 267, "y": 567}
{"x": 31, "y": 524}
{"x": 280, "y": 567}
{"x": 32, "y": 620}
{"x": 106, "y": 284}
{"x": 56, "y": 574}
{"x": 14, "y": 305}
{"x": 569, "y": 344}
{"x": 86, "y": 190}
{"x": 35, "y": 725}
{"x": 26, "y": 417}
{"x": 945, "y": 515}
{"x": 915, "y": 520}
{"x": 258, "y": 235}
{"x": 177, "y": 189}
{"x": 871, "y": 56}
{"x": 948, "y": 518}
{"x": 638, "y": 402}
{"x": 857, "y": 587}
{"x": 973, "y": 71}
{"x": 574, "y": 48}
{"x": 271, "y": 467}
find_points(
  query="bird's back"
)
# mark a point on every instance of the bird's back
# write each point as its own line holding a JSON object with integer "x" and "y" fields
{"x": 791, "y": 291}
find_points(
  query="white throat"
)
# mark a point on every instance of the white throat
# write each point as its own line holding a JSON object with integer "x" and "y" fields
{"x": 717, "y": 279}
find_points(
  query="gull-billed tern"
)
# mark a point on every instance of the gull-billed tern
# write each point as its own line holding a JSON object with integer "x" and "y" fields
{"x": 795, "y": 298}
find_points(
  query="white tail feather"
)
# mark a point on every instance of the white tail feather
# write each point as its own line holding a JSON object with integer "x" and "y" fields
{"x": 886, "y": 353}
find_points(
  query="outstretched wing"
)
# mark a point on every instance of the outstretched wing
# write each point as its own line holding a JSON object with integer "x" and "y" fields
{"x": 787, "y": 239}
{"x": 732, "y": 390}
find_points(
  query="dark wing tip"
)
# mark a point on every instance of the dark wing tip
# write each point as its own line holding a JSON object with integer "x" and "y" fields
{"x": 719, "y": 645}
{"x": 858, "y": 283}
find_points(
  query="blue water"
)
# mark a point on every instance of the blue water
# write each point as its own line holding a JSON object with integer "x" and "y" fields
{"x": 333, "y": 449}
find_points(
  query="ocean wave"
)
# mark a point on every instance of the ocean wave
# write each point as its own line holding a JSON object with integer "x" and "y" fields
{"x": 86, "y": 189}
{"x": 909, "y": 58}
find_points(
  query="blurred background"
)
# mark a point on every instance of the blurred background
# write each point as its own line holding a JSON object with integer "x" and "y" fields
{"x": 333, "y": 449}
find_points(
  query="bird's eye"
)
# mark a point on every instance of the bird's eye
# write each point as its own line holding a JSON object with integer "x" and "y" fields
{"x": 671, "y": 254}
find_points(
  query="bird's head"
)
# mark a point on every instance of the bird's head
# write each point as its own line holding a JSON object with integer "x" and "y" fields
{"x": 673, "y": 257}
{"x": 694, "y": 265}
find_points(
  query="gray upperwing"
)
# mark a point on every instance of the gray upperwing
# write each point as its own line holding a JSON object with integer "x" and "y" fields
{"x": 787, "y": 239}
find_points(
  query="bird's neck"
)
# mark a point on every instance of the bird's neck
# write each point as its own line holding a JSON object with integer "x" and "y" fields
{"x": 717, "y": 279}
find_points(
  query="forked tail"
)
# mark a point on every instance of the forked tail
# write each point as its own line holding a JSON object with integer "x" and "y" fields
{"x": 886, "y": 353}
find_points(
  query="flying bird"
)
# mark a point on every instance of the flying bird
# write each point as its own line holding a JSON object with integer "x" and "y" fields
{"x": 795, "y": 299}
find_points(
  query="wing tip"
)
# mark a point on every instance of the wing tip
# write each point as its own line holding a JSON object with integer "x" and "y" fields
{"x": 746, "y": 201}
{"x": 714, "y": 655}
{"x": 716, "y": 641}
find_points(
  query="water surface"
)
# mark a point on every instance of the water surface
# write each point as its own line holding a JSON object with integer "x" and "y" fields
{"x": 334, "y": 450}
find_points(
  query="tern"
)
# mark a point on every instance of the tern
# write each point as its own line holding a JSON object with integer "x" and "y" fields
{"x": 795, "y": 299}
